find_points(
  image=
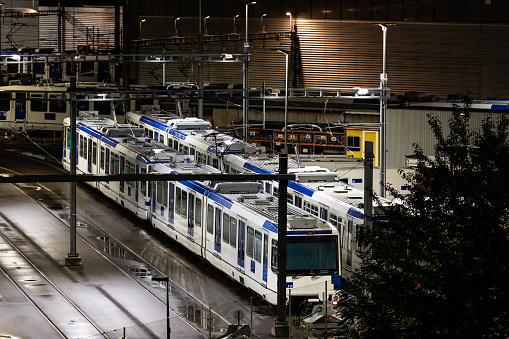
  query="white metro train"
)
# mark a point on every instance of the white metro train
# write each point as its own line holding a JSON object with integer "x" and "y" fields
{"x": 316, "y": 190}
{"x": 232, "y": 226}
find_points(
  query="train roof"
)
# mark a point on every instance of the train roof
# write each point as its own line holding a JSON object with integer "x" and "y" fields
{"x": 267, "y": 206}
{"x": 131, "y": 139}
{"x": 199, "y": 129}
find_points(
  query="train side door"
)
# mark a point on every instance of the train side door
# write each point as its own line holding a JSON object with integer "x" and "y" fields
{"x": 217, "y": 233}
{"x": 265, "y": 258}
{"x": 122, "y": 166}
{"x": 324, "y": 212}
{"x": 136, "y": 187}
{"x": 241, "y": 250}
{"x": 171, "y": 202}
{"x": 89, "y": 155}
{"x": 298, "y": 201}
{"x": 21, "y": 106}
{"x": 268, "y": 187}
{"x": 190, "y": 217}
{"x": 348, "y": 242}
{"x": 107, "y": 166}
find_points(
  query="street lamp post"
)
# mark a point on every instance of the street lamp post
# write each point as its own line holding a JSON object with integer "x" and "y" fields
{"x": 141, "y": 21}
{"x": 286, "y": 53}
{"x": 234, "y": 24}
{"x": 383, "y": 113}
{"x": 290, "y": 15}
{"x": 246, "y": 77}
{"x": 205, "y": 23}
{"x": 176, "y": 30}
{"x": 261, "y": 22}
{"x": 167, "y": 281}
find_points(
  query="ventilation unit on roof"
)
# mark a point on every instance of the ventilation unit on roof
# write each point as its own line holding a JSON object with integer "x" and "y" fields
{"x": 237, "y": 187}
{"x": 87, "y": 114}
{"x": 301, "y": 222}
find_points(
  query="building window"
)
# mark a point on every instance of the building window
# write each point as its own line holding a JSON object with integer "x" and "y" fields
{"x": 353, "y": 143}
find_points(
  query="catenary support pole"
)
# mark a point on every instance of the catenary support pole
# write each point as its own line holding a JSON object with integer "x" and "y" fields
{"x": 73, "y": 258}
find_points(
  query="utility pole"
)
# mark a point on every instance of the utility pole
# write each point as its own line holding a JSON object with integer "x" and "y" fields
{"x": 73, "y": 258}
{"x": 281, "y": 328}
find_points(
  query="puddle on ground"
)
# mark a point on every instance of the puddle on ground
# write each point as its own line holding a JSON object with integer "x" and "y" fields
{"x": 29, "y": 186}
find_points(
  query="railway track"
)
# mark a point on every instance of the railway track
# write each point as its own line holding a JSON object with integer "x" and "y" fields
{"x": 116, "y": 251}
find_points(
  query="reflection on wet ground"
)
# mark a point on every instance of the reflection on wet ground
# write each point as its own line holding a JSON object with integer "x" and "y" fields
{"x": 208, "y": 303}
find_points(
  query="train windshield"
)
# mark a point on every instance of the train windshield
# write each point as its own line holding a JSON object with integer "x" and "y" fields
{"x": 312, "y": 255}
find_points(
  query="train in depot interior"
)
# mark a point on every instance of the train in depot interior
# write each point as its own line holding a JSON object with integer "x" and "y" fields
{"x": 233, "y": 226}
{"x": 316, "y": 190}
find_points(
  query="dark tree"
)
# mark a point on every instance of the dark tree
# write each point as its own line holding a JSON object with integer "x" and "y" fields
{"x": 439, "y": 266}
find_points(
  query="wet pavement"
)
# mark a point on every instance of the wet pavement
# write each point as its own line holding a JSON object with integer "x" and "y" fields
{"x": 120, "y": 255}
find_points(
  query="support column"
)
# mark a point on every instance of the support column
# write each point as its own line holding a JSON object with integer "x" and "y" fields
{"x": 73, "y": 258}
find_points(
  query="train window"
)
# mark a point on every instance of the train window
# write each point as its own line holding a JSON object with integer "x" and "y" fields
{"x": 5, "y": 102}
{"x": 175, "y": 145}
{"x": 210, "y": 219}
{"x": 349, "y": 236}
{"x": 94, "y": 153}
{"x": 358, "y": 230}
{"x": 102, "y": 157}
{"x": 38, "y": 103}
{"x": 314, "y": 210}
{"x": 161, "y": 139}
{"x": 103, "y": 107}
{"x": 215, "y": 163}
{"x": 184, "y": 204}
{"x": 233, "y": 232}
{"x": 307, "y": 206}
{"x": 165, "y": 193}
{"x": 143, "y": 188}
{"x": 289, "y": 197}
{"x": 226, "y": 228}
{"x": 82, "y": 105}
{"x": 178, "y": 201}
{"x": 80, "y": 146}
{"x": 197, "y": 220}
{"x": 324, "y": 213}
{"x": 274, "y": 257}
{"x": 129, "y": 169}
{"x": 250, "y": 241}
{"x": 276, "y": 192}
{"x": 258, "y": 247}
{"x": 70, "y": 68}
{"x": 115, "y": 164}
{"x": 57, "y": 103}
{"x": 159, "y": 192}
{"x": 334, "y": 220}
{"x": 85, "y": 152}
{"x": 87, "y": 68}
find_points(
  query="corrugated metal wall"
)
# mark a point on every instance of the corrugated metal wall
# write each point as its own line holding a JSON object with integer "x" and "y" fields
{"x": 19, "y": 32}
{"x": 82, "y": 25}
{"x": 437, "y": 59}
{"x": 408, "y": 126}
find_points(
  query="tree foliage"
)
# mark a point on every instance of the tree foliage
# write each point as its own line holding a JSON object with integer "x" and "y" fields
{"x": 439, "y": 266}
